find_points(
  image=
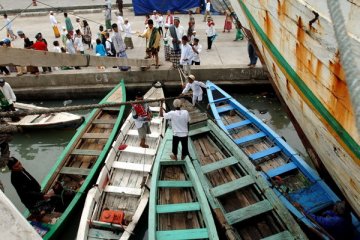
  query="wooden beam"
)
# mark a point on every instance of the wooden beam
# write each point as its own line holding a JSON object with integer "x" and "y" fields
{"x": 198, "y": 233}
{"x": 29, "y": 57}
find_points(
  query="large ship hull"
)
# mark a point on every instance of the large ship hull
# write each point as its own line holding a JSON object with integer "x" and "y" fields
{"x": 304, "y": 64}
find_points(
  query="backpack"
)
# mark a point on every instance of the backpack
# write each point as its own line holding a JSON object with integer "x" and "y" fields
{"x": 112, "y": 49}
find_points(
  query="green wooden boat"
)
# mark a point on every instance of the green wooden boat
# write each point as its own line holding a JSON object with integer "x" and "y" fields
{"x": 82, "y": 158}
{"x": 242, "y": 201}
{"x": 178, "y": 208}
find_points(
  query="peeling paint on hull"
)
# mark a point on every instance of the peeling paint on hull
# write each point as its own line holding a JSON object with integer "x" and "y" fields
{"x": 306, "y": 70}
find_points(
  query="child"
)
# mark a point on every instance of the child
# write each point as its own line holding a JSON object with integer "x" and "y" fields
{"x": 63, "y": 36}
{"x": 100, "y": 51}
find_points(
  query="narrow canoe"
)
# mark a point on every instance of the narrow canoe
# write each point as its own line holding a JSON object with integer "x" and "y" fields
{"x": 244, "y": 205}
{"x": 122, "y": 183}
{"x": 13, "y": 225}
{"x": 81, "y": 159}
{"x": 178, "y": 208}
{"x": 45, "y": 121}
{"x": 299, "y": 182}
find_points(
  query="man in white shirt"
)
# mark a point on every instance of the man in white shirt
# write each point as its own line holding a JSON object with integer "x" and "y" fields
{"x": 207, "y": 12}
{"x": 176, "y": 33}
{"x": 7, "y": 98}
{"x": 53, "y": 20}
{"x": 180, "y": 126}
{"x": 167, "y": 42}
{"x": 196, "y": 48}
{"x": 119, "y": 46}
{"x": 186, "y": 55}
{"x": 127, "y": 36}
{"x": 195, "y": 86}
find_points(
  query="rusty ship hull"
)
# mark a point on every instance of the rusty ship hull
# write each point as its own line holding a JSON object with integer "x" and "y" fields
{"x": 305, "y": 68}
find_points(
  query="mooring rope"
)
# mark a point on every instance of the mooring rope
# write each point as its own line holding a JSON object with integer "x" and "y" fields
{"x": 21, "y": 113}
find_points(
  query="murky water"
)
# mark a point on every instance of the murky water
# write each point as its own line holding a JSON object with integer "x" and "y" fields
{"x": 38, "y": 151}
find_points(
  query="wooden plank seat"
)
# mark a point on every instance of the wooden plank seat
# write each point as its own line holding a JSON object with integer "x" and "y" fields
{"x": 232, "y": 186}
{"x": 154, "y": 109}
{"x": 183, "y": 234}
{"x": 224, "y": 108}
{"x": 132, "y": 166}
{"x": 281, "y": 235}
{"x": 96, "y": 135}
{"x": 104, "y": 121}
{"x": 199, "y": 130}
{"x": 111, "y": 109}
{"x": 75, "y": 171}
{"x": 174, "y": 184}
{"x": 178, "y": 207}
{"x": 248, "y": 138}
{"x": 267, "y": 152}
{"x": 86, "y": 152}
{"x": 140, "y": 150}
{"x": 134, "y": 132}
{"x": 248, "y": 212}
{"x": 123, "y": 190}
{"x": 220, "y": 100}
{"x": 172, "y": 162}
{"x": 238, "y": 124}
{"x": 282, "y": 169}
{"x": 218, "y": 165}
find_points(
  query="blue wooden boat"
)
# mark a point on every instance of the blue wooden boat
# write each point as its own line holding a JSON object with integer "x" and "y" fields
{"x": 295, "y": 180}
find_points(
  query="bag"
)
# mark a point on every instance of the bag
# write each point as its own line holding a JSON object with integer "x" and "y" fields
{"x": 56, "y": 31}
{"x": 112, "y": 216}
{"x": 112, "y": 49}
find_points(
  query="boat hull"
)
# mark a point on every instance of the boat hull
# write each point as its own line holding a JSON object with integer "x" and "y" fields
{"x": 307, "y": 73}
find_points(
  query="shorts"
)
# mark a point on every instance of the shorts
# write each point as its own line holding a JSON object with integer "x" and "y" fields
{"x": 145, "y": 129}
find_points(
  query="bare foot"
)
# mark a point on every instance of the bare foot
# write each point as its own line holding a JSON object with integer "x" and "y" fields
{"x": 173, "y": 157}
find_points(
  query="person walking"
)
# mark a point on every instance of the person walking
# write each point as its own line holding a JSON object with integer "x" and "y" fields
{"x": 210, "y": 32}
{"x": 141, "y": 115}
{"x": 69, "y": 26}
{"x": 87, "y": 35}
{"x": 196, "y": 48}
{"x": 186, "y": 55}
{"x": 107, "y": 18}
{"x": 239, "y": 35}
{"x": 119, "y": 46}
{"x": 120, "y": 21}
{"x": 180, "y": 126}
{"x": 176, "y": 33}
{"x": 195, "y": 86}
{"x": 167, "y": 41}
{"x": 54, "y": 24}
{"x": 207, "y": 12}
{"x": 8, "y": 25}
{"x": 128, "y": 35}
{"x": 152, "y": 36}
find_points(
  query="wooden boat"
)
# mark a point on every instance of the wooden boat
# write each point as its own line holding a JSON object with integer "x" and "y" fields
{"x": 243, "y": 203}
{"x": 122, "y": 183}
{"x": 307, "y": 73}
{"x": 40, "y": 121}
{"x": 81, "y": 159}
{"x": 13, "y": 225}
{"x": 178, "y": 208}
{"x": 273, "y": 156}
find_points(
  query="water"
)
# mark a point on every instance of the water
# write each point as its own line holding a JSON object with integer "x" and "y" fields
{"x": 39, "y": 150}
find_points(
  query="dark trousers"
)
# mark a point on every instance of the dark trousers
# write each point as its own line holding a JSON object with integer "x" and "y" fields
{"x": 184, "y": 145}
{"x": 160, "y": 31}
{"x": 4, "y": 69}
{"x": 210, "y": 42}
{"x": 45, "y": 69}
{"x": 195, "y": 63}
{"x": 252, "y": 54}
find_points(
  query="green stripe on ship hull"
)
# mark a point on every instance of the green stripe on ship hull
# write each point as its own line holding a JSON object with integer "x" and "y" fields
{"x": 305, "y": 90}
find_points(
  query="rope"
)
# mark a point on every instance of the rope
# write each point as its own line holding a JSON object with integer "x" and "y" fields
{"x": 347, "y": 57}
{"x": 16, "y": 16}
{"x": 21, "y": 113}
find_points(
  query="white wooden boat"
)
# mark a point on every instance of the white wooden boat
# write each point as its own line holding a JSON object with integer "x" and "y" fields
{"x": 307, "y": 73}
{"x": 52, "y": 120}
{"x": 122, "y": 183}
{"x": 13, "y": 225}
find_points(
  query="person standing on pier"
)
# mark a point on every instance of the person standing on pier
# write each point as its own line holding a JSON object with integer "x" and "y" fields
{"x": 54, "y": 24}
{"x": 108, "y": 18}
{"x": 169, "y": 18}
{"x": 196, "y": 48}
{"x": 69, "y": 26}
{"x": 120, "y": 6}
{"x": 8, "y": 25}
{"x": 87, "y": 35}
{"x": 141, "y": 115}
{"x": 207, "y": 12}
{"x": 7, "y": 98}
{"x": 167, "y": 40}
{"x": 119, "y": 45}
{"x": 128, "y": 35}
{"x": 180, "y": 126}
{"x": 153, "y": 42}
{"x": 210, "y": 32}
{"x": 176, "y": 33}
{"x": 195, "y": 86}
{"x": 186, "y": 55}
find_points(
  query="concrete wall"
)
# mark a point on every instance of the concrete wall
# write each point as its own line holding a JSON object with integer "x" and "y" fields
{"x": 94, "y": 83}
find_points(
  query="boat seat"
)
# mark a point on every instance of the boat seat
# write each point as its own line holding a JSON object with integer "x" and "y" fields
{"x": 218, "y": 165}
{"x": 220, "y": 100}
{"x": 280, "y": 235}
{"x": 111, "y": 109}
{"x": 75, "y": 171}
{"x": 232, "y": 186}
{"x": 156, "y": 120}
{"x": 248, "y": 212}
{"x": 178, "y": 207}
{"x": 174, "y": 184}
{"x": 249, "y": 138}
{"x": 264, "y": 153}
{"x": 183, "y": 234}
{"x": 154, "y": 109}
{"x": 132, "y": 166}
{"x": 238, "y": 124}
{"x": 199, "y": 131}
{"x": 224, "y": 109}
{"x": 123, "y": 190}
{"x": 104, "y": 121}
{"x": 281, "y": 170}
{"x": 95, "y": 234}
{"x": 96, "y": 136}
{"x": 86, "y": 152}
{"x": 134, "y": 132}
{"x": 140, "y": 150}
{"x": 171, "y": 162}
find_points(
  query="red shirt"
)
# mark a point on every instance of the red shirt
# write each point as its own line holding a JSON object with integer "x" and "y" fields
{"x": 40, "y": 46}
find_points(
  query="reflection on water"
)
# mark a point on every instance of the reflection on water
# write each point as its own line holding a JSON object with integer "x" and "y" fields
{"x": 39, "y": 150}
